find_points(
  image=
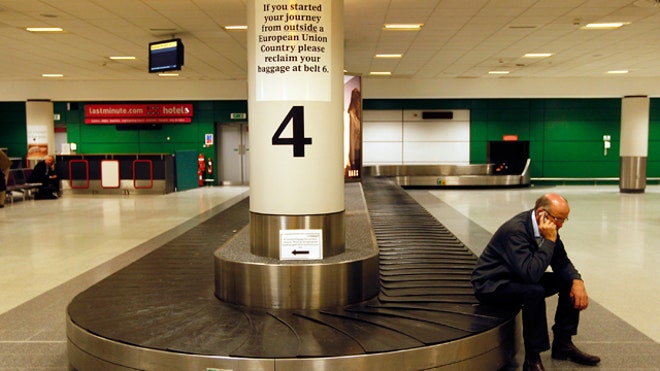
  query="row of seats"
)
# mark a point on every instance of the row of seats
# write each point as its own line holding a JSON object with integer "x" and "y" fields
{"x": 17, "y": 182}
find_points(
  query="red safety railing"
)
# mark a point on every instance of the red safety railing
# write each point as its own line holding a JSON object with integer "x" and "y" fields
{"x": 151, "y": 175}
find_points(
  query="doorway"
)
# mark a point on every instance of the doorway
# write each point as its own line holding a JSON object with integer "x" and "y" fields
{"x": 233, "y": 153}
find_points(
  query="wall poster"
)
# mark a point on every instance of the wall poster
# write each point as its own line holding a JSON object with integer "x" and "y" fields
{"x": 352, "y": 127}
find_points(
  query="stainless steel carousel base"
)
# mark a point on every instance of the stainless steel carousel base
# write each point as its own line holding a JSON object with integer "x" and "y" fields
{"x": 265, "y": 232}
{"x": 160, "y": 313}
{"x": 245, "y": 279}
{"x": 490, "y": 350}
{"x": 478, "y": 175}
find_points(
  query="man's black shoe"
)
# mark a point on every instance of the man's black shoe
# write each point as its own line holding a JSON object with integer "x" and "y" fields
{"x": 567, "y": 350}
{"x": 533, "y": 363}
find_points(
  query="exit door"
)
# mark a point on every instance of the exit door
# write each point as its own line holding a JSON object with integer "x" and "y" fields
{"x": 234, "y": 151}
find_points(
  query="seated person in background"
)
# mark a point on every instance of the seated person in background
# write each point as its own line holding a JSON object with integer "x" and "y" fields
{"x": 511, "y": 271}
{"x": 44, "y": 172}
{"x": 3, "y": 188}
{"x": 5, "y": 164}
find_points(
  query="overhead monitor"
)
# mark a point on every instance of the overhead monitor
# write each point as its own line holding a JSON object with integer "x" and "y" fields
{"x": 166, "y": 55}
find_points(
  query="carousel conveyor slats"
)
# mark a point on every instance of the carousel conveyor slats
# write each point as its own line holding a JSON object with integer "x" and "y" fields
{"x": 165, "y": 300}
{"x": 423, "y": 331}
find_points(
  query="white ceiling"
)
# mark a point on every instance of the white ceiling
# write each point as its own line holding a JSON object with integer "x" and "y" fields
{"x": 460, "y": 38}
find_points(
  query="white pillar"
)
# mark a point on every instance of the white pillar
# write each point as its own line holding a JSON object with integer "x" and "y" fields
{"x": 295, "y": 102}
{"x": 634, "y": 143}
{"x": 40, "y": 129}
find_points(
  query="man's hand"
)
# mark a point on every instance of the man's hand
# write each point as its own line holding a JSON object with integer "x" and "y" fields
{"x": 547, "y": 228}
{"x": 579, "y": 295}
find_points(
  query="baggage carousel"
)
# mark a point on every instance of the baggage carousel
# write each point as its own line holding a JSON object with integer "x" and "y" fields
{"x": 476, "y": 175}
{"x": 160, "y": 312}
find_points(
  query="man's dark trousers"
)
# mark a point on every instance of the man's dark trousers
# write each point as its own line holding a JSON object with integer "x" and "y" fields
{"x": 532, "y": 299}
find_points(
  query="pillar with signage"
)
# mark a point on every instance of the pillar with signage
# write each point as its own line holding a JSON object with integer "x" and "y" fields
{"x": 295, "y": 76}
{"x": 40, "y": 129}
{"x": 294, "y": 254}
{"x": 634, "y": 143}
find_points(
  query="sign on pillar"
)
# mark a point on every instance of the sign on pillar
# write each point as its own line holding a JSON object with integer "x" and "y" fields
{"x": 40, "y": 129}
{"x": 295, "y": 76}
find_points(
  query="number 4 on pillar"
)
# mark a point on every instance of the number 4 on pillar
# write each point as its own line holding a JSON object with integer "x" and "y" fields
{"x": 297, "y": 116}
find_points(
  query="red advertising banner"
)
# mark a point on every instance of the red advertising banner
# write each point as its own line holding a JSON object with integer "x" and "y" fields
{"x": 156, "y": 113}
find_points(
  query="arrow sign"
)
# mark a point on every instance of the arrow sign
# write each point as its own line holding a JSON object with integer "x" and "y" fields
{"x": 301, "y": 244}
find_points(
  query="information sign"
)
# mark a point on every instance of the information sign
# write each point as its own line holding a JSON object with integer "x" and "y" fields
{"x": 301, "y": 244}
{"x": 293, "y": 49}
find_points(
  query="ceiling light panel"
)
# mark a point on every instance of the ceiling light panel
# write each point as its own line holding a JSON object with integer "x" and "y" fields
{"x": 389, "y": 56}
{"x": 236, "y": 27}
{"x": 537, "y": 55}
{"x": 604, "y": 26}
{"x": 44, "y": 29}
{"x": 403, "y": 26}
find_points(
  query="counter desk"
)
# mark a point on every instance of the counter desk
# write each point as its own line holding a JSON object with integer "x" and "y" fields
{"x": 117, "y": 173}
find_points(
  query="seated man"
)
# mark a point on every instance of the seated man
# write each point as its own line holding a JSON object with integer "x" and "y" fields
{"x": 44, "y": 172}
{"x": 511, "y": 271}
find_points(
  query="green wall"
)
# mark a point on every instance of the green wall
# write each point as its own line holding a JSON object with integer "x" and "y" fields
{"x": 13, "y": 130}
{"x": 565, "y": 135}
{"x": 653, "y": 166}
{"x": 99, "y": 139}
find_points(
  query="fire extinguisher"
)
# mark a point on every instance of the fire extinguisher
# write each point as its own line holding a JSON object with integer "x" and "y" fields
{"x": 201, "y": 166}
{"x": 209, "y": 171}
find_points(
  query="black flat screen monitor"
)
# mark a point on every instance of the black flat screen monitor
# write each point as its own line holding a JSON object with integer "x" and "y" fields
{"x": 508, "y": 157}
{"x": 166, "y": 55}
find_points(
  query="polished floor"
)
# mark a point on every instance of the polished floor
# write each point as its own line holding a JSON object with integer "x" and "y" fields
{"x": 50, "y": 250}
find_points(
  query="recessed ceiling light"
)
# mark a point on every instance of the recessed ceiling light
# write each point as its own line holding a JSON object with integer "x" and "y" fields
{"x": 52, "y": 75}
{"x": 380, "y": 73}
{"x": 604, "y": 26}
{"x": 498, "y": 72}
{"x": 404, "y": 26}
{"x": 618, "y": 72}
{"x": 170, "y": 30}
{"x": 522, "y": 26}
{"x": 237, "y": 27}
{"x": 389, "y": 55}
{"x": 44, "y": 29}
{"x": 122, "y": 57}
{"x": 168, "y": 74}
{"x": 537, "y": 55}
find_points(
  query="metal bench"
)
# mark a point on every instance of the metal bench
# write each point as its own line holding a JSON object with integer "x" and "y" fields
{"x": 17, "y": 182}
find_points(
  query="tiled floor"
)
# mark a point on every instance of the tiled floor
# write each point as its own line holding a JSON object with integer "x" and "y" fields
{"x": 51, "y": 250}
{"x": 612, "y": 240}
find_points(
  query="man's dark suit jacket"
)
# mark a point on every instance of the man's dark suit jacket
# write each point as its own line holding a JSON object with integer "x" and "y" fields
{"x": 41, "y": 173}
{"x": 514, "y": 255}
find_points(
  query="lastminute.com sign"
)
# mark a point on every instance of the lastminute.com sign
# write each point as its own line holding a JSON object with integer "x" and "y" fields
{"x": 157, "y": 113}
